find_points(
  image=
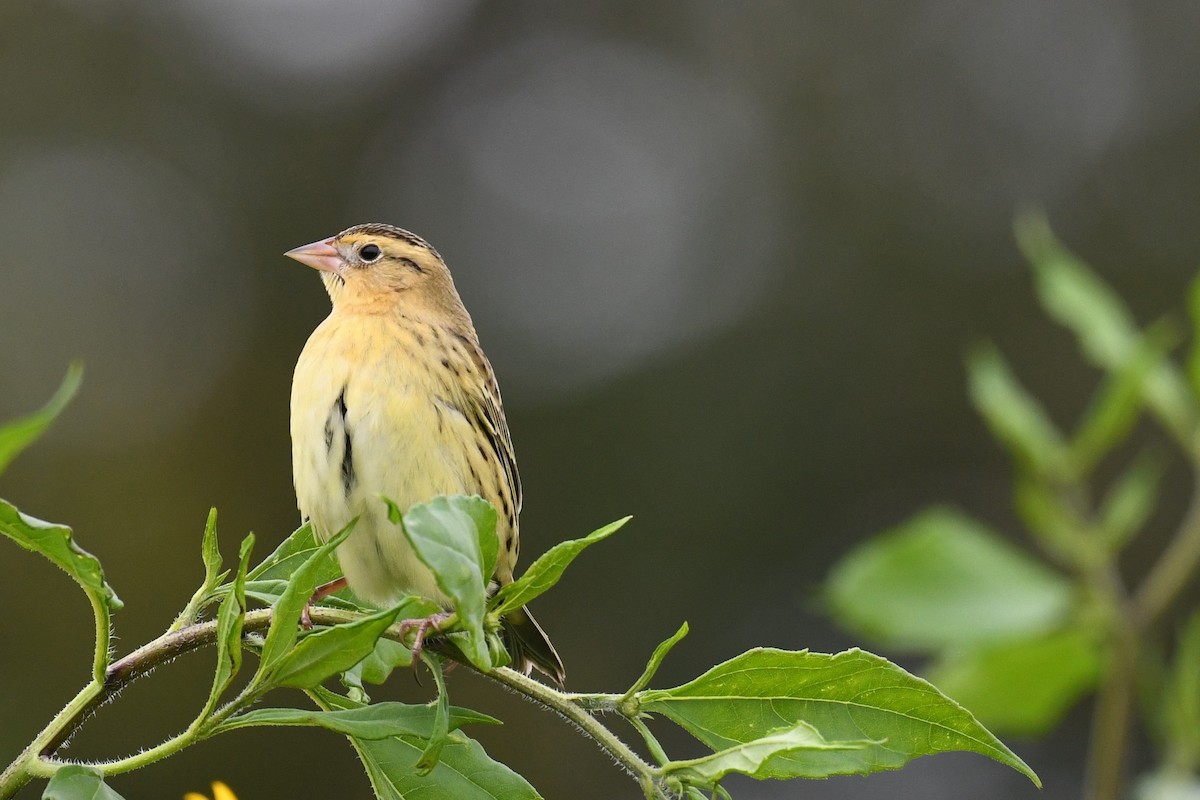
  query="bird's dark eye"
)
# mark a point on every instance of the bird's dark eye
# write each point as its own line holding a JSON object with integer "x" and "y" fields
{"x": 369, "y": 252}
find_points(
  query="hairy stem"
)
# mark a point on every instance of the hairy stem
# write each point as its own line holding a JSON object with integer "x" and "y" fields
{"x": 125, "y": 671}
{"x": 563, "y": 705}
{"x": 20, "y": 771}
{"x": 103, "y": 636}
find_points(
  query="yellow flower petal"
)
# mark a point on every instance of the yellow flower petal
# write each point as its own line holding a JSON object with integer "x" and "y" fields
{"x": 220, "y": 792}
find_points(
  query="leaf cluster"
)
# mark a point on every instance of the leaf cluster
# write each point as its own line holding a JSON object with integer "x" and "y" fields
{"x": 1020, "y": 637}
{"x": 767, "y": 714}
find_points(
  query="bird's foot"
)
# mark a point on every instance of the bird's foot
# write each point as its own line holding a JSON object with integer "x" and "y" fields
{"x": 320, "y": 594}
{"x": 422, "y": 627}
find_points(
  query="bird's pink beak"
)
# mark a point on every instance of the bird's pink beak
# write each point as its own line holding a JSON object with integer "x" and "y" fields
{"x": 319, "y": 255}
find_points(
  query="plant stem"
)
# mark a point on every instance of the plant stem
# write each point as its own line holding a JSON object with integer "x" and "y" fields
{"x": 1114, "y": 704}
{"x": 594, "y": 701}
{"x": 563, "y": 705}
{"x": 20, "y": 771}
{"x": 37, "y": 759}
{"x": 652, "y": 744}
{"x": 103, "y": 636}
{"x": 1108, "y": 747}
{"x": 1175, "y": 566}
{"x": 165, "y": 648}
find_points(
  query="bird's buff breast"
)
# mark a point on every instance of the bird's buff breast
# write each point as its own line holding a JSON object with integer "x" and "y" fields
{"x": 364, "y": 424}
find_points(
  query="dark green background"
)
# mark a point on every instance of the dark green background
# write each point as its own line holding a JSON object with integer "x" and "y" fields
{"x": 725, "y": 258}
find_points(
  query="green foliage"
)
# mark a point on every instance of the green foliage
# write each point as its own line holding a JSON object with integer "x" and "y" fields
{"x": 1019, "y": 641}
{"x": 78, "y": 783}
{"x": 1181, "y": 702}
{"x": 456, "y": 538}
{"x": 379, "y": 721}
{"x": 656, "y": 659}
{"x": 944, "y": 580}
{"x": 323, "y": 654}
{"x": 548, "y": 568}
{"x": 767, "y": 714}
{"x": 18, "y": 434}
{"x": 464, "y": 771}
{"x": 1025, "y": 685}
{"x": 291, "y": 604}
{"x": 1131, "y": 500}
{"x": 874, "y": 714}
{"x": 57, "y": 543}
{"x": 441, "y": 720}
{"x": 290, "y": 554}
{"x": 231, "y": 617}
{"x": 1073, "y": 295}
{"x": 1014, "y": 416}
{"x": 766, "y": 757}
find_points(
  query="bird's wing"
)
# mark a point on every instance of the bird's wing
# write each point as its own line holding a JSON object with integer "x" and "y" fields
{"x": 489, "y": 409}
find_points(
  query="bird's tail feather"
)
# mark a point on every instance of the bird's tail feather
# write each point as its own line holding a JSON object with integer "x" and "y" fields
{"x": 530, "y": 647}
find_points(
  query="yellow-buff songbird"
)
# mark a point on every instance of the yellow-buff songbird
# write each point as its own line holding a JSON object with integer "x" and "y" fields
{"x": 392, "y": 395}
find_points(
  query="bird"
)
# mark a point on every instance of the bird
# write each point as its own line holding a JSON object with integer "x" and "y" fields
{"x": 392, "y": 395}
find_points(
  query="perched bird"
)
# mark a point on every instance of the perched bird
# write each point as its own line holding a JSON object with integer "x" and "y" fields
{"x": 392, "y": 395}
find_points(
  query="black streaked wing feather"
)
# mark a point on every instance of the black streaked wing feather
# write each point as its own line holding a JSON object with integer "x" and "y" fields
{"x": 488, "y": 410}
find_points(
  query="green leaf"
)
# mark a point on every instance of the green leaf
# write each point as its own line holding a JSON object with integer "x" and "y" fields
{"x": 379, "y": 721}
{"x": 74, "y": 782}
{"x": 943, "y": 580}
{"x": 56, "y": 543}
{"x": 230, "y": 617}
{"x": 472, "y": 516}
{"x": 1193, "y": 360}
{"x": 1131, "y": 500}
{"x": 286, "y": 615}
{"x": 327, "y": 652}
{"x": 1023, "y": 687}
{"x": 1050, "y": 516}
{"x": 1181, "y": 701}
{"x": 387, "y": 654}
{"x": 765, "y": 757}
{"x": 463, "y": 772}
{"x": 450, "y": 535}
{"x": 441, "y": 720}
{"x": 375, "y": 668}
{"x": 268, "y": 592}
{"x": 850, "y": 696}
{"x": 1077, "y": 298}
{"x": 547, "y": 569}
{"x": 291, "y": 553}
{"x": 210, "y": 551}
{"x": 1117, "y": 406}
{"x": 1013, "y": 415}
{"x": 18, "y": 434}
{"x": 656, "y": 659}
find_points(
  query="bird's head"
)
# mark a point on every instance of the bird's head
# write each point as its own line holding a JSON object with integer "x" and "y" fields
{"x": 377, "y": 265}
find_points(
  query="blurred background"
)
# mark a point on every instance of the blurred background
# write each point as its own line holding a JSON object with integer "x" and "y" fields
{"x": 725, "y": 258}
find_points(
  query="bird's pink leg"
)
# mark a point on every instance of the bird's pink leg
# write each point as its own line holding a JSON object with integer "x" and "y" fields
{"x": 320, "y": 594}
{"x": 422, "y": 627}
